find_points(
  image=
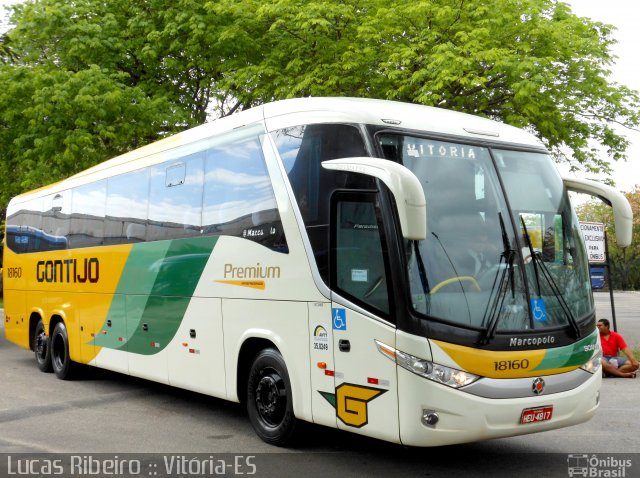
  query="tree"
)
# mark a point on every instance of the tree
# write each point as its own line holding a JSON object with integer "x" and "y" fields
{"x": 6, "y": 52}
{"x": 57, "y": 123}
{"x": 89, "y": 79}
{"x": 625, "y": 263}
{"x": 529, "y": 63}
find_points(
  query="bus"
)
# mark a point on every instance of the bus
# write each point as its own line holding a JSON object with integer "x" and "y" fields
{"x": 597, "y": 276}
{"x": 29, "y": 239}
{"x": 399, "y": 271}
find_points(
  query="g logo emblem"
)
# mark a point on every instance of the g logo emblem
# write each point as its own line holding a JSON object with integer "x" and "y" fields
{"x": 351, "y": 403}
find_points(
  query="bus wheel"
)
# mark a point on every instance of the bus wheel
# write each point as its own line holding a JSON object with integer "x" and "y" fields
{"x": 42, "y": 348}
{"x": 60, "y": 360}
{"x": 269, "y": 402}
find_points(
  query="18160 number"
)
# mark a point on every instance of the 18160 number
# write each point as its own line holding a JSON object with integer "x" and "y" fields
{"x": 504, "y": 365}
{"x": 14, "y": 272}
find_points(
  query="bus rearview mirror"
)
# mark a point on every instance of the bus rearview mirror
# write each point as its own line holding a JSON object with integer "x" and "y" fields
{"x": 622, "y": 213}
{"x": 403, "y": 184}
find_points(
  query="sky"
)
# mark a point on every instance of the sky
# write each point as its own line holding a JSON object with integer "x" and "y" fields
{"x": 625, "y": 16}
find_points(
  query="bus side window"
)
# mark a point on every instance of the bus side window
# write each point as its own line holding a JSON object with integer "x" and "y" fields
{"x": 238, "y": 197}
{"x": 23, "y": 225}
{"x": 302, "y": 150}
{"x": 57, "y": 214}
{"x": 87, "y": 215}
{"x": 358, "y": 262}
{"x": 127, "y": 203}
{"x": 175, "y": 198}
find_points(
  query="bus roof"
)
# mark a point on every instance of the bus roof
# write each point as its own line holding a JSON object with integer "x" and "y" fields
{"x": 394, "y": 113}
{"x": 294, "y": 112}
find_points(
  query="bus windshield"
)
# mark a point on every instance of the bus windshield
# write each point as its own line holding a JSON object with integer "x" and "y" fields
{"x": 503, "y": 250}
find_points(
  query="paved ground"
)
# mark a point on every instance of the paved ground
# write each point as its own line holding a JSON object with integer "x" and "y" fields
{"x": 112, "y": 413}
{"x": 627, "y": 307}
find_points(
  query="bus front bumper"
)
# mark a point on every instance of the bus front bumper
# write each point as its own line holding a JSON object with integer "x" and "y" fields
{"x": 432, "y": 414}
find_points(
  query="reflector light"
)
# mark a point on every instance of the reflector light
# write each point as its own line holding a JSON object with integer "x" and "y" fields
{"x": 322, "y": 365}
{"x": 373, "y": 381}
{"x": 330, "y": 373}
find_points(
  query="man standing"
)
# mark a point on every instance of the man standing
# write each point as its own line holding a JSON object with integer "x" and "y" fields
{"x": 612, "y": 364}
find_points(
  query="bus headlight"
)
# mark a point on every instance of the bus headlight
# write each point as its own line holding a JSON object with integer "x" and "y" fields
{"x": 594, "y": 363}
{"x": 433, "y": 371}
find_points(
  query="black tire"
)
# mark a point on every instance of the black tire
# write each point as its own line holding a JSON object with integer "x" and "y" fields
{"x": 269, "y": 402}
{"x": 61, "y": 362}
{"x": 42, "y": 349}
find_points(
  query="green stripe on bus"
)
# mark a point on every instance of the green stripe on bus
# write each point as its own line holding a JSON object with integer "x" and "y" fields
{"x": 571, "y": 355}
{"x": 158, "y": 297}
{"x": 137, "y": 279}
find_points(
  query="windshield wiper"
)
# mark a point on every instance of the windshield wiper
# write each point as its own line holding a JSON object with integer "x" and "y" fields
{"x": 492, "y": 313}
{"x": 421, "y": 270}
{"x": 538, "y": 261}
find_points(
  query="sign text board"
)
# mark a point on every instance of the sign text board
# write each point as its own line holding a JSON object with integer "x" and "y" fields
{"x": 593, "y": 235}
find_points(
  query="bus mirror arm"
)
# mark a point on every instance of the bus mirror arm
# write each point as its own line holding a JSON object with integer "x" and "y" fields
{"x": 404, "y": 185}
{"x": 622, "y": 213}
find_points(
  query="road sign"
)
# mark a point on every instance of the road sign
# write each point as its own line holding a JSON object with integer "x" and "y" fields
{"x": 593, "y": 235}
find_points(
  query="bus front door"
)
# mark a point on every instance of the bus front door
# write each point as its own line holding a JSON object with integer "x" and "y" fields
{"x": 366, "y": 399}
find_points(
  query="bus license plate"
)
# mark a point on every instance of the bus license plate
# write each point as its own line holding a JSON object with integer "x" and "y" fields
{"x": 534, "y": 415}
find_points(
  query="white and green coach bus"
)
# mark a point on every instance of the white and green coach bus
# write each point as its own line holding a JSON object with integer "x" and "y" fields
{"x": 399, "y": 271}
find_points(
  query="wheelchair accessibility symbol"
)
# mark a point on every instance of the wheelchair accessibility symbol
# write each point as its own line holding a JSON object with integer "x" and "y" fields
{"x": 339, "y": 319}
{"x": 539, "y": 310}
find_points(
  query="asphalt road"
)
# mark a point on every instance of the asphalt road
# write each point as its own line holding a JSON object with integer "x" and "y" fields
{"x": 104, "y": 412}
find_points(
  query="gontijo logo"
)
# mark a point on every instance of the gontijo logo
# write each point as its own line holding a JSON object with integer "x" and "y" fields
{"x": 351, "y": 402}
{"x": 69, "y": 271}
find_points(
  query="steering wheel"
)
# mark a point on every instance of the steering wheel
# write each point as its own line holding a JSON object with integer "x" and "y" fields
{"x": 453, "y": 279}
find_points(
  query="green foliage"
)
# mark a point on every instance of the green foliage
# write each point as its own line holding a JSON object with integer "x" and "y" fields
{"x": 59, "y": 122}
{"x": 625, "y": 263}
{"x": 83, "y": 80}
{"x": 529, "y": 63}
